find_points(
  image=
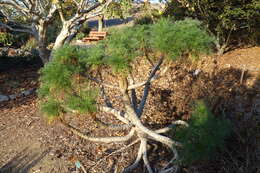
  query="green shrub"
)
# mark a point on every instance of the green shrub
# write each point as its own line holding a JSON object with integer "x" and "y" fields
{"x": 65, "y": 76}
{"x": 231, "y": 21}
{"x": 6, "y": 39}
{"x": 205, "y": 134}
{"x": 181, "y": 37}
{"x": 143, "y": 20}
{"x": 59, "y": 82}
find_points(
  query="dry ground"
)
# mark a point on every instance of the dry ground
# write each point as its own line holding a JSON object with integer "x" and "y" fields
{"x": 29, "y": 144}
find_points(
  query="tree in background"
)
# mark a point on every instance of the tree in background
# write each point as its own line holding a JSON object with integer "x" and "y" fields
{"x": 68, "y": 82}
{"x": 35, "y": 17}
{"x": 230, "y": 21}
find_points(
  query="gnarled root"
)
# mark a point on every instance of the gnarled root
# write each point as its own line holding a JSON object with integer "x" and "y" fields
{"x": 144, "y": 134}
{"x": 143, "y": 153}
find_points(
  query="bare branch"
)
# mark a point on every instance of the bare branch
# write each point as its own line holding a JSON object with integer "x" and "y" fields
{"x": 75, "y": 1}
{"x": 147, "y": 87}
{"x": 155, "y": 136}
{"x": 16, "y": 6}
{"x": 116, "y": 113}
{"x": 153, "y": 78}
{"x": 25, "y": 30}
{"x": 113, "y": 126}
{"x": 173, "y": 169}
{"x": 101, "y": 139}
{"x": 61, "y": 13}
{"x": 138, "y": 85}
{"x": 175, "y": 157}
{"x": 137, "y": 160}
{"x": 106, "y": 98}
{"x": 51, "y": 13}
{"x": 134, "y": 99}
{"x": 100, "y": 82}
{"x": 91, "y": 8}
{"x": 166, "y": 129}
{"x": 145, "y": 157}
{"x": 117, "y": 151}
{"x": 133, "y": 93}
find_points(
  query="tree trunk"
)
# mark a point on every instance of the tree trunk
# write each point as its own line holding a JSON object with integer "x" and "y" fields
{"x": 60, "y": 40}
{"x": 41, "y": 38}
{"x": 100, "y": 23}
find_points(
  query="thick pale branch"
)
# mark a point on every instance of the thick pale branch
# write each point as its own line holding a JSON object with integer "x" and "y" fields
{"x": 51, "y": 13}
{"x": 103, "y": 124}
{"x": 155, "y": 136}
{"x": 62, "y": 18}
{"x": 166, "y": 129}
{"x": 113, "y": 126}
{"x": 75, "y": 2}
{"x": 101, "y": 139}
{"x": 116, "y": 113}
{"x": 137, "y": 160}
{"x": 145, "y": 157}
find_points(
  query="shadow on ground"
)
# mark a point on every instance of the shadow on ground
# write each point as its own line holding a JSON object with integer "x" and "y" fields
{"x": 23, "y": 162}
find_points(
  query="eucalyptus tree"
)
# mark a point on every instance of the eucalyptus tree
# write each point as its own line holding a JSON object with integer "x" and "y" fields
{"x": 34, "y": 17}
{"x": 77, "y": 80}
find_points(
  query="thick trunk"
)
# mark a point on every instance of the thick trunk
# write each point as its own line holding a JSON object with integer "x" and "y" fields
{"x": 60, "y": 40}
{"x": 100, "y": 23}
{"x": 44, "y": 53}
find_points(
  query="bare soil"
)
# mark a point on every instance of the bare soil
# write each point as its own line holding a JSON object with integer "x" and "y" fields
{"x": 29, "y": 144}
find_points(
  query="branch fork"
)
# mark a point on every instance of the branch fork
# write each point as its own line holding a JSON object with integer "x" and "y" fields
{"x": 131, "y": 118}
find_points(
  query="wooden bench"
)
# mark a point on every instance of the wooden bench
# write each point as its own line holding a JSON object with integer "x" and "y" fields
{"x": 95, "y": 36}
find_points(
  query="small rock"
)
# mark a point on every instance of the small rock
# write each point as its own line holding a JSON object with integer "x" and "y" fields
{"x": 196, "y": 72}
{"x": 27, "y": 92}
{"x": 3, "y": 98}
{"x": 12, "y": 96}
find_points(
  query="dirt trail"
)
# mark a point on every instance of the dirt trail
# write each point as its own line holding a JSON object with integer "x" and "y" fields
{"x": 24, "y": 140}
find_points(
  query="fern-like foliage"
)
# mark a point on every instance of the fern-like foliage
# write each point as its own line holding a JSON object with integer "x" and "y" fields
{"x": 205, "y": 134}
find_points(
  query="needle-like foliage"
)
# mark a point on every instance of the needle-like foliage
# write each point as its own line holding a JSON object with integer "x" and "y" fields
{"x": 180, "y": 37}
{"x": 62, "y": 87}
{"x": 64, "y": 82}
{"x": 66, "y": 87}
{"x": 205, "y": 134}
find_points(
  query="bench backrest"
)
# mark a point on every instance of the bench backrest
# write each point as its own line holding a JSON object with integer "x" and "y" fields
{"x": 96, "y": 33}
